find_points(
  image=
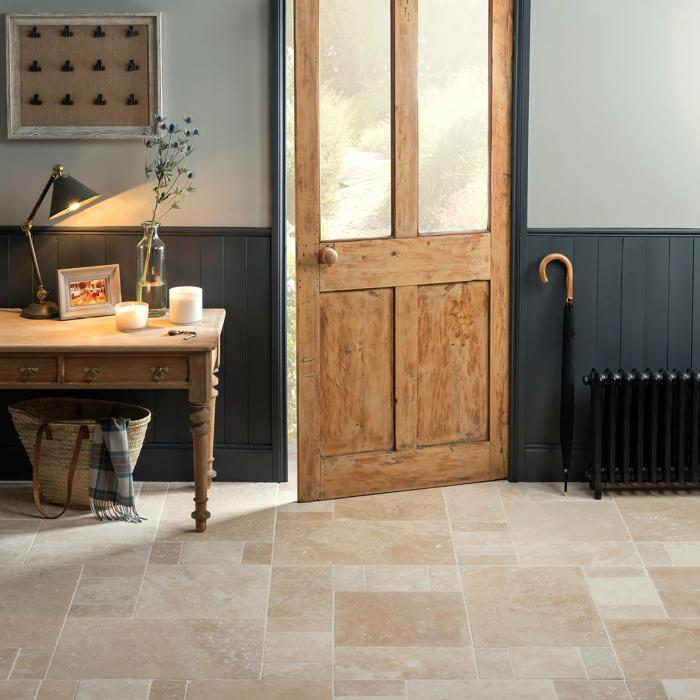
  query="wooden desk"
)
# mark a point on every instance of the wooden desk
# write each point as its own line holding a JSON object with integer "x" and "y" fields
{"x": 90, "y": 353}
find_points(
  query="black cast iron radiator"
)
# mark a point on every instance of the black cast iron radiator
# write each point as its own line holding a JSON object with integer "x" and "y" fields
{"x": 645, "y": 429}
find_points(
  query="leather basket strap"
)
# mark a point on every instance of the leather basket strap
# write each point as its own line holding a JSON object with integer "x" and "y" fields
{"x": 83, "y": 433}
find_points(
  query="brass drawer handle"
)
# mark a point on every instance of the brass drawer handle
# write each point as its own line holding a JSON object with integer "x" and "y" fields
{"x": 158, "y": 373}
{"x": 91, "y": 373}
{"x": 29, "y": 371}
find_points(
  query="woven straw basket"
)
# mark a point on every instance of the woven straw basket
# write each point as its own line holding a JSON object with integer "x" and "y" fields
{"x": 65, "y": 416}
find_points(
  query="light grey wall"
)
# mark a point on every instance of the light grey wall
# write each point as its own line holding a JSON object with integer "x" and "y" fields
{"x": 215, "y": 67}
{"x": 614, "y": 137}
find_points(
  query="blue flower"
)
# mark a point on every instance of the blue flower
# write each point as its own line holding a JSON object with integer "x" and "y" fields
{"x": 195, "y": 132}
{"x": 188, "y": 132}
{"x": 188, "y": 120}
{"x": 172, "y": 128}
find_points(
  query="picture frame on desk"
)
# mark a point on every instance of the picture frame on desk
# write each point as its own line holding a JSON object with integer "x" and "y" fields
{"x": 86, "y": 292}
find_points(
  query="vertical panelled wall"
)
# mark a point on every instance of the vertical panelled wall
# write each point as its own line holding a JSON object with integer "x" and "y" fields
{"x": 234, "y": 267}
{"x": 637, "y": 289}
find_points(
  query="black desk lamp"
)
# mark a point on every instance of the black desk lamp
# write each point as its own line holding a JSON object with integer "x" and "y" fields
{"x": 68, "y": 195}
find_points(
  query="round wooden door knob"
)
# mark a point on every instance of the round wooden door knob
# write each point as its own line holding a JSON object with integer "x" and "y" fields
{"x": 328, "y": 256}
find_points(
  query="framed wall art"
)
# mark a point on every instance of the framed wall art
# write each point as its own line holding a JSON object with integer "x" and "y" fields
{"x": 88, "y": 291}
{"x": 89, "y": 75}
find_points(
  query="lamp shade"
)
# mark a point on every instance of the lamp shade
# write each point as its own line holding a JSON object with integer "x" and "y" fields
{"x": 68, "y": 195}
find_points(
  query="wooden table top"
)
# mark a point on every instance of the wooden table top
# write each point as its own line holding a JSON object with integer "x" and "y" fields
{"x": 19, "y": 334}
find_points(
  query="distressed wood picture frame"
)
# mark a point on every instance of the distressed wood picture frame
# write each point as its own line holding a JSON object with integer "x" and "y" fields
{"x": 91, "y": 75}
{"x": 85, "y": 292}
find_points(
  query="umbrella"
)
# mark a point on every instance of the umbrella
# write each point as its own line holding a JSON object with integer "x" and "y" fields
{"x": 566, "y": 406}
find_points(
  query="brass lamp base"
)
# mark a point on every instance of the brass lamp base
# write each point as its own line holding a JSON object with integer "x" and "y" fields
{"x": 40, "y": 310}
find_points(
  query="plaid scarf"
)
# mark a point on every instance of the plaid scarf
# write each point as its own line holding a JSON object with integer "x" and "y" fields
{"x": 111, "y": 485}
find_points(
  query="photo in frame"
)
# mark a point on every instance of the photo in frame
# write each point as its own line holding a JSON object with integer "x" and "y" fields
{"x": 85, "y": 292}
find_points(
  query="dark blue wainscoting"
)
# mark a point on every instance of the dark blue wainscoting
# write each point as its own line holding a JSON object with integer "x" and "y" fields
{"x": 233, "y": 265}
{"x": 637, "y": 305}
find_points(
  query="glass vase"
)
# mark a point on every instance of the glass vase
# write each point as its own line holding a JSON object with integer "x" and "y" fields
{"x": 151, "y": 282}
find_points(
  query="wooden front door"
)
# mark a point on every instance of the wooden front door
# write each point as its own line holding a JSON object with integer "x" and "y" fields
{"x": 402, "y": 125}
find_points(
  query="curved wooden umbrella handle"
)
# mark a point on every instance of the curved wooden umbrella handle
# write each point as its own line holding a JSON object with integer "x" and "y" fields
{"x": 569, "y": 272}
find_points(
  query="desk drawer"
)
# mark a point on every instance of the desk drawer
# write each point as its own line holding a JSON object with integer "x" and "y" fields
{"x": 30, "y": 369}
{"x": 150, "y": 369}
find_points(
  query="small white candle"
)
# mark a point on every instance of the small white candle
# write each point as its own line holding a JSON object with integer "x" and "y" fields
{"x": 185, "y": 305}
{"x": 131, "y": 315}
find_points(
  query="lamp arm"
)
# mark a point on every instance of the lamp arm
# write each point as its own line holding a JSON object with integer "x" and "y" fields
{"x": 27, "y": 228}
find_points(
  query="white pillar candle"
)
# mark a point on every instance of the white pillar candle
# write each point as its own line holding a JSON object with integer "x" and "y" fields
{"x": 185, "y": 305}
{"x": 131, "y": 315}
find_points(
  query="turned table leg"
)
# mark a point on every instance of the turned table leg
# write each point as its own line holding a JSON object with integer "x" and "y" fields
{"x": 201, "y": 425}
{"x": 211, "y": 474}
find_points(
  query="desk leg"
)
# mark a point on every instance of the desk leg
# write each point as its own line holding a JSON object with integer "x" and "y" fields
{"x": 201, "y": 425}
{"x": 212, "y": 421}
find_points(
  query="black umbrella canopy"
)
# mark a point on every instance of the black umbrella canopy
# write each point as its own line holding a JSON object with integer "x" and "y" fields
{"x": 68, "y": 195}
{"x": 566, "y": 404}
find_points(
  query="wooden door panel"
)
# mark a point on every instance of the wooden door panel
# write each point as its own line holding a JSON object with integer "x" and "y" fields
{"x": 453, "y": 363}
{"x": 397, "y": 262}
{"x": 379, "y": 472}
{"x": 357, "y": 371}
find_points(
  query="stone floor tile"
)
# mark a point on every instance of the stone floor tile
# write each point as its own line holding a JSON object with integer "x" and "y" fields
{"x": 683, "y": 553}
{"x": 396, "y": 663}
{"x": 602, "y": 554}
{"x": 591, "y": 690}
{"x": 626, "y": 598}
{"x": 257, "y": 553}
{"x": 682, "y": 689}
{"x": 560, "y": 521}
{"x": 298, "y": 647}
{"x": 168, "y": 690}
{"x": 531, "y": 606}
{"x": 34, "y": 603}
{"x": 7, "y": 661}
{"x": 349, "y": 578}
{"x": 653, "y": 518}
{"x": 396, "y": 578}
{"x": 426, "y": 504}
{"x": 547, "y": 662}
{"x": 400, "y": 619}
{"x": 383, "y": 542}
{"x": 211, "y": 553}
{"x": 493, "y": 664}
{"x": 370, "y": 689}
{"x": 445, "y": 579}
{"x": 222, "y": 592}
{"x": 654, "y": 554}
{"x": 647, "y": 690}
{"x": 266, "y": 689}
{"x": 166, "y": 553}
{"x": 481, "y": 690}
{"x": 474, "y": 503}
{"x": 186, "y": 649}
{"x": 679, "y": 589}
{"x": 18, "y": 690}
{"x": 31, "y": 664}
{"x": 101, "y": 611}
{"x": 118, "y": 591}
{"x": 113, "y": 689}
{"x": 301, "y": 599}
{"x": 601, "y": 663}
{"x": 120, "y": 555}
{"x": 16, "y": 539}
{"x": 656, "y": 649}
{"x": 299, "y": 671}
{"x": 614, "y": 572}
{"x": 57, "y": 690}
{"x": 16, "y": 501}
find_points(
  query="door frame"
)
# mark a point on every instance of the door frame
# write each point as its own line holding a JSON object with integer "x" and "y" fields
{"x": 307, "y": 193}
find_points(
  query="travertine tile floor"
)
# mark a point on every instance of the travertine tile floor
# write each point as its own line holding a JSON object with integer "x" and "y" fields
{"x": 484, "y": 592}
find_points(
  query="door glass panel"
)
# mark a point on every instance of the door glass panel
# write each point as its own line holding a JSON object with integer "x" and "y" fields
{"x": 453, "y": 103}
{"x": 355, "y": 111}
